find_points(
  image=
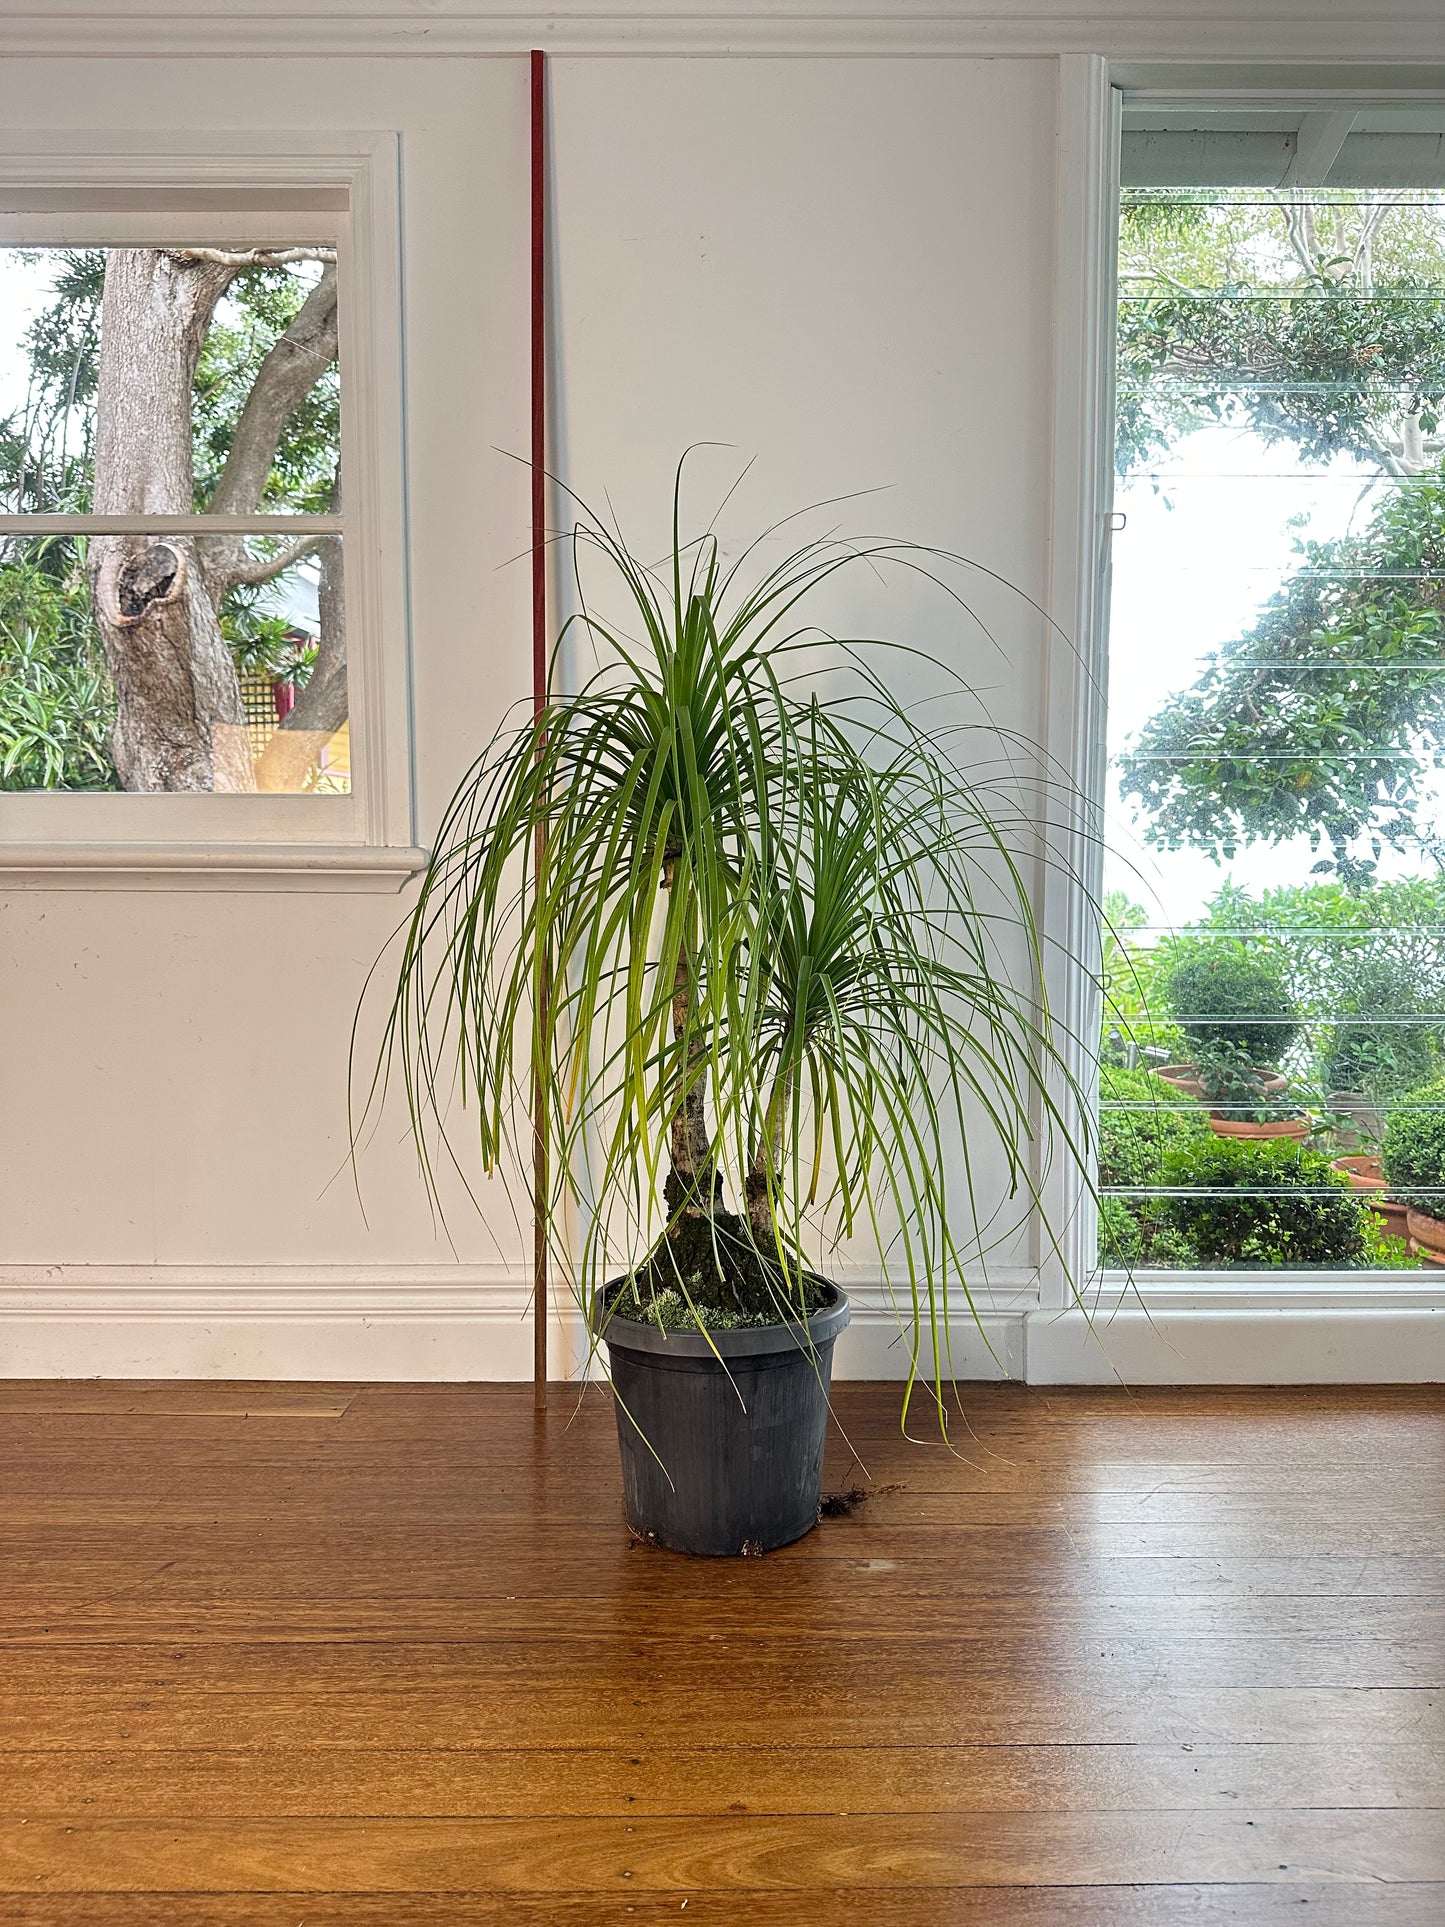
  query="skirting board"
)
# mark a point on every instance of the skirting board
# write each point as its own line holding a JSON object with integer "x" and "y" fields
{"x": 473, "y": 1322}
{"x": 1388, "y": 1345}
{"x": 404, "y": 1323}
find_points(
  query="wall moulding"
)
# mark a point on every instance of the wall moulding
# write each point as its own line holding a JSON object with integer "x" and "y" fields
{"x": 394, "y": 1323}
{"x": 1137, "y": 30}
{"x": 443, "y": 1323}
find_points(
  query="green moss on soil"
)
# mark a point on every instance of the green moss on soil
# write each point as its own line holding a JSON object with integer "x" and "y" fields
{"x": 706, "y": 1273}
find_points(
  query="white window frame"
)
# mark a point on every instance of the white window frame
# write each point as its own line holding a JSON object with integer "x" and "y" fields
{"x": 1093, "y": 1325}
{"x": 64, "y": 189}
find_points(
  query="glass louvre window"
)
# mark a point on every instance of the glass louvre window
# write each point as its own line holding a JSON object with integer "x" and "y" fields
{"x": 1273, "y": 1083}
{"x": 172, "y": 609}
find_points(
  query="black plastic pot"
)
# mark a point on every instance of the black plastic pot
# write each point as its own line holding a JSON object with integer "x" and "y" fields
{"x": 722, "y": 1458}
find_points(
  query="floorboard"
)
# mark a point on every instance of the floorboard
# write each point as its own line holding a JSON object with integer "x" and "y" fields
{"x": 354, "y": 1655}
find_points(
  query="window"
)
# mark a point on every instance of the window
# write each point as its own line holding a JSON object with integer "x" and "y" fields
{"x": 201, "y": 622}
{"x": 1275, "y": 863}
{"x": 172, "y": 598}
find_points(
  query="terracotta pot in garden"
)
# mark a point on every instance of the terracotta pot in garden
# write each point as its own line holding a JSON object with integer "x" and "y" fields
{"x": 1427, "y": 1237}
{"x": 1223, "y": 1125}
{"x": 1392, "y": 1217}
{"x": 1185, "y": 1079}
{"x": 1363, "y": 1170}
{"x": 1182, "y": 1078}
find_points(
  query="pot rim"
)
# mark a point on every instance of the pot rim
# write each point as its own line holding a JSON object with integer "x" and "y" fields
{"x": 1187, "y": 1073}
{"x": 1368, "y": 1181}
{"x": 632, "y": 1335}
{"x": 1296, "y": 1127}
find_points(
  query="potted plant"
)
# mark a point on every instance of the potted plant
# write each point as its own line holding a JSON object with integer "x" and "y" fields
{"x": 1265, "y": 1203}
{"x": 1236, "y": 1009}
{"x": 1364, "y": 1172}
{"x": 1368, "y": 1065}
{"x": 1413, "y": 1156}
{"x": 1347, "y": 1069}
{"x": 1357, "y": 1129}
{"x": 1366, "y": 1062}
{"x": 781, "y": 945}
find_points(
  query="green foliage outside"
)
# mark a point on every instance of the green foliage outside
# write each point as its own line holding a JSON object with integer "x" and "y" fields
{"x": 1242, "y": 307}
{"x": 56, "y": 702}
{"x": 1166, "y": 1140}
{"x": 1343, "y": 954}
{"x": 1132, "y": 1145}
{"x": 1225, "y": 999}
{"x": 1413, "y": 1151}
{"x": 260, "y": 305}
{"x": 1315, "y": 322}
{"x": 1318, "y": 1220}
{"x": 1351, "y": 953}
{"x": 1135, "y": 1008}
{"x": 1325, "y": 717}
{"x": 1384, "y": 1252}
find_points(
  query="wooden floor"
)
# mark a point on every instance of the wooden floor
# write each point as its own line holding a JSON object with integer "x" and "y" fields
{"x": 284, "y": 1655}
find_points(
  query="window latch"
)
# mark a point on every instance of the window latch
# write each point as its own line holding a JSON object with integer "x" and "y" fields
{"x": 1117, "y": 521}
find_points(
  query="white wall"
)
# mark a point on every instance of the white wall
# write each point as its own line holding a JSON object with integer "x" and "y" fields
{"x": 840, "y": 267}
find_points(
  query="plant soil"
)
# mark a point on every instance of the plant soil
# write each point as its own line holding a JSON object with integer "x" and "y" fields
{"x": 838, "y": 1505}
{"x": 707, "y": 1272}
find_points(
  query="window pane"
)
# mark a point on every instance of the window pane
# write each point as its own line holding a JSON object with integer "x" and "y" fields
{"x": 1276, "y": 840}
{"x": 168, "y": 381}
{"x": 173, "y": 663}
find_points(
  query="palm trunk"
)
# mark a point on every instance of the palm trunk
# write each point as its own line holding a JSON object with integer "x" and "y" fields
{"x": 762, "y": 1179}
{"x": 693, "y": 1185}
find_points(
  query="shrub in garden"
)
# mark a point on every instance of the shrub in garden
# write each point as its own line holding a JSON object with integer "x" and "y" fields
{"x": 1121, "y": 1233}
{"x": 1413, "y": 1151}
{"x": 1386, "y": 1252}
{"x": 1378, "y": 1058}
{"x": 1383, "y": 1058}
{"x": 1354, "y": 952}
{"x": 1132, "y": 1144}
{"x": 1135, "y": 1011}
{"x": 1322, "y": 1223}
{"x": 1227, "y": 999}
{"x": 57, "y": 705}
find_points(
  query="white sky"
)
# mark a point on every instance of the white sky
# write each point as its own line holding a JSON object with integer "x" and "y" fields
{"x": 24, "y": 286}
{"x": 1198, "y": 559}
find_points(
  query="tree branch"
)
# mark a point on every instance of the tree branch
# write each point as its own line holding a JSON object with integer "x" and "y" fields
{"x": 266, "y": 568}
{"x": 295, "y": 363}
{"x": 254, "y": 257}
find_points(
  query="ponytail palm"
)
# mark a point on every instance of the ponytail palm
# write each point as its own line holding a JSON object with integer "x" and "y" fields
{"x": 794, "y": 977}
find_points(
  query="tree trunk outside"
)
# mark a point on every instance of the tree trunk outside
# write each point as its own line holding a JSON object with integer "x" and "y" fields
{"x": 180, "y": 724}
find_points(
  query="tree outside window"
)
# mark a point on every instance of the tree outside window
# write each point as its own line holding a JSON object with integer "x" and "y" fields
{"x": 172, "y": 382}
